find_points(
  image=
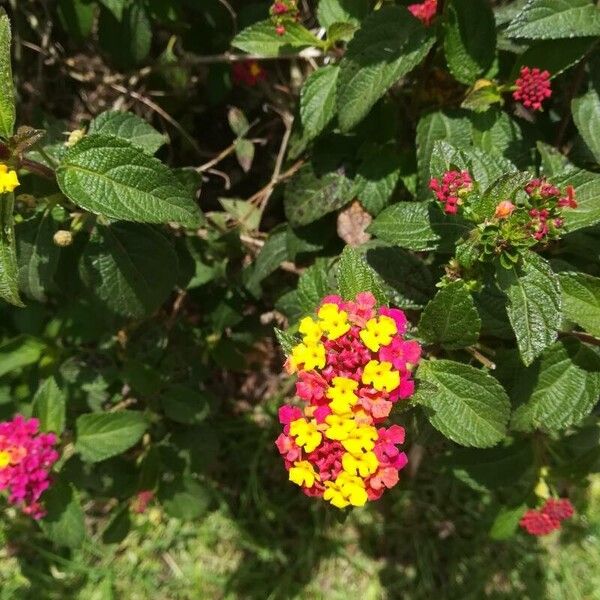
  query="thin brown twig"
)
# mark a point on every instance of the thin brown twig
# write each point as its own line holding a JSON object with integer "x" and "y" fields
{"x": 38, "y": 168}
{"x": 580, "y": 335}
{"x": 484, "y": 360}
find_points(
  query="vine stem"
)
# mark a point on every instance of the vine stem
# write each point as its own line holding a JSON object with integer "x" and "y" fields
{"x": 580, "y": 335}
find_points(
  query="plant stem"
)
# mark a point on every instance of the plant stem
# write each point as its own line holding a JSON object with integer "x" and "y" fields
{"x": 38, "y": 168}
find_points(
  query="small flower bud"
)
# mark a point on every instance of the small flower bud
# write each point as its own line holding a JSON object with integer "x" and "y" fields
{"x": 504, "y": 209}
{"x": 63, "y": 238}
{"x": 74, "y": 137}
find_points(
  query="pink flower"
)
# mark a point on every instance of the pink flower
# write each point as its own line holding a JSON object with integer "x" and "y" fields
{"x": 569, "y": 199}
{"x": 385, "y": 449}
{"x": 333, "y": 299}
{"x": 311, "y": 387}
{"x": 287, "y": 414}
{"x": 449, "y": 191}
{"x": 533, "y": 87}
{"x": 504, "y": 209}
{"x": 538, "y": 523}
{"x": 404, "y": 355}
{"x": 559, "y": 510}
{"x": 373, "y": 402}
{"x": 363, "y": 309}
{"x": 288, "y": 448}
{"x": 425, "y": 11}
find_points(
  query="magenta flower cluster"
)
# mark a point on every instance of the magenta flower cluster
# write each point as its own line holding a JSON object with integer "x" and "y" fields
{"x": 26, "y": 459}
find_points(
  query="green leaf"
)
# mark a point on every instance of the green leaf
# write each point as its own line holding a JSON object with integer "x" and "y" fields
{"x": 9, "y": 287}
{"x": 131, "y": 268}
{"x": 451, "y": 319}
{"x": 7, "y": 97}
{"x": 499, "y": 135}
{"x": 20, "y": 352}
{"x": 559, "y": 390}
{"x": 465, "y": 404}
{"x": 184, "y": 405}
{"x": 65, "y": 522}
{"x": 272, "y": 254}
{"x": 506, "y": 523}
{"x": 286, "y": 340}
{"x": 317, "y": 100}
{"x": 102, "y": 435}
{"x": 587, "y": 190}
{"x": 554, "y": 163}
{"x": 534, "y": 304}
{"x": 314, "y": 284}
{"x": 432, "y": 128}
{"x": 504, "y": 188}
{"x": 339, "y": 32}
{"x": 331, "y": 12}
{"x": 581, "y": 300}
{"x": 261, "y": 38}
{"x": 130, "y": 127}
{"x": 77, "y": 17}
{"x": 115, "y": 6}
{"x": 555, "y": 19}
{"x": 308, "y": 197}
{"x": 389, "y": 44}
{"x": 49, "y": 407}
{"x": 184, "y": 498}
{"x": 354, "y": 275}
{"x": 110, "y": 176}
{"x": 470, "y": 40}
{"x": 377, "y": 177}
{"x": 586, "y": 114}
{"x": 37, "y": 255}
{"x": 244, "y": 152}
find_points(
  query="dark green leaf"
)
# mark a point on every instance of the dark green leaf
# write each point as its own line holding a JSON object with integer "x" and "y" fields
{"x": 354, "y": 276}
{"x": 341, "y": 11}
{"x": 49, "y": 407}
{"x": 184, "y": 498}
{"x": 9, "y": 288}
{"x": 314, "y": 284}
{"x": 20, "y": 352}
{"x": 581, "y": 300}
{"x": 184, "y": 405}
{"x": 586, "y": 114}
{"x": 317, "y": 100}
{"x": 377, "y": 178}
{"x": 64, "y": 524}
{"x": 261, "y": 38}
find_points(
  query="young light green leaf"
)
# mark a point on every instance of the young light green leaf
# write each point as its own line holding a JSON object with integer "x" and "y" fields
{"x": 341, "y": 32}
{"x": 20, "y": 352}
{"x": 317, "y": 100}
{"x": 534, "y": 304}
{"x": 559, "y": 390}
{"x": 110, "y": 176}
{"x": 581, "y": 300}
{"x": 49, "y": 407}
{"x": 102, "y": 435}
{"x": 37, "y": 255}
{"x": 308, "y": 197}
{"x": 587, "y": 191}
{"x": 506, "y": 523}
{"x": 130, "y": 127}
{"x": 261, "y": 38}
{"x": 389, "y": 44}
{"x": 9, "y": 271}
{"x": 451, "y": 319}
{"x": 354, "y": 275}
{"x": 470, "y": 40}
{"x": 7, "y": 96}
{"x": 130, "y": 267}
{"x": 555, "y": 19}
{"x": 331, "y": 12}
{"x": 586, "y": 114}
{"x": 464, "y": 403}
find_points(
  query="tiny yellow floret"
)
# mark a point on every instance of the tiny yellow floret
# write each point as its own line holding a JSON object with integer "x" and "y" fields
{"x": 311, "y": 356}
{"x": 340, "y": 426}
{"x": 306, "y": 433}
{"x": 378, "y": 332}
{"x": 8, "y": 179}
{"x": 333, "y": 321}
{"x": 303, "y": 474}
{"x": 342, "y": 395}
{"x": 364, "y": 464}
{"x": 4, "y": 459}
{"x": 310, "y": 331}
{"x": 362, "y": 439}
{"x": 345, "y": 490}
{"x": 381, "y": 376}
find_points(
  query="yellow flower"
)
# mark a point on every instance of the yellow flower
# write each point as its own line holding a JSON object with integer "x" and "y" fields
{"x": 311, "y": 356}
{"x": 311, "y": 331}
{"x": 303, "y": 473}
{"x": 364, "y": 464}
{"x": 362, "y": 439}
{"x": 345, "y": 490}
{"x": 381, "y": 376}
{"x": 4, "y": 459}
{"x": 333, "y": 321}
{"x": 306, "y": 434}
{"x": 342, "y": 394}
{"x": 8, "y": 179}
{"x": 378, "y": 332}
{"x": 340, "y": 426}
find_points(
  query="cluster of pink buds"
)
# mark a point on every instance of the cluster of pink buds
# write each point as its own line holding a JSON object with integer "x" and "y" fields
{"x": 532, "y": 88}
{"x": 139, "y": 504}
{"x": 247, "y": 72}
{"x": 454, "y": 186}
{"x": 546, "y": 214}
{"x": 26, "y": 459}
{"x": 424, "y": 11}
{"x": 283, "y": 11}
{"x": 353, "y": 364}
{"x": 548, "y": 518}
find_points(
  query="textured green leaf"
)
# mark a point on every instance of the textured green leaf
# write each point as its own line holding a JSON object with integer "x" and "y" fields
{"x": 389, "y": 44}
{"x": 102, "y": 435}
{"x": 555, "y": 19}
{"x": 184, "y": 498}
{"x": 587, "y": 189}
{"x": 464, "y": 403}
{"x": 470, "y": 39}
{"x": 341, "y": 11}
{"x": 314, "y": 284}
{"x": 261, "y": 38}
{"x": 7, "y": 96}
{"x": 377, "y": 178}
{"x": 451, "y": 319}
{"x": 185, "y": 405}
{"x": 317, "y": 100}
{"x": 499, "y": 135}
{"x": 534, "y": 304}
{"x": 49, "y": 407}
{"x": 286, "y": 340}
{"x": 65, "y": 522}
{"x": 560, "y": 389}
{"x": 554, "y": 163}
{"x": 354, "y": 275}
{"x": 9, "y": 287}
{"x": 308, "y": 197}
{"x": 581, "y": 300}
{"x": 128, "y": 126}
{"x": 272, "y": 254}
{"x": 37, "y": 255}
{"x": 338, "y": 32}
{"x": 112, "y": 177}
{"x": 20, "y": 352}
{"x": 586, "y": 114}
{"x": 131, "y": 268}
{"x": 504, "y": 188}
{"x": 432, "y": 128}
{"x": 506, "y": 523}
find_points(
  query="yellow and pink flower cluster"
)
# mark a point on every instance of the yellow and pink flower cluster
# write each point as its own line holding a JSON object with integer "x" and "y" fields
{"x": 353, "y": 364}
